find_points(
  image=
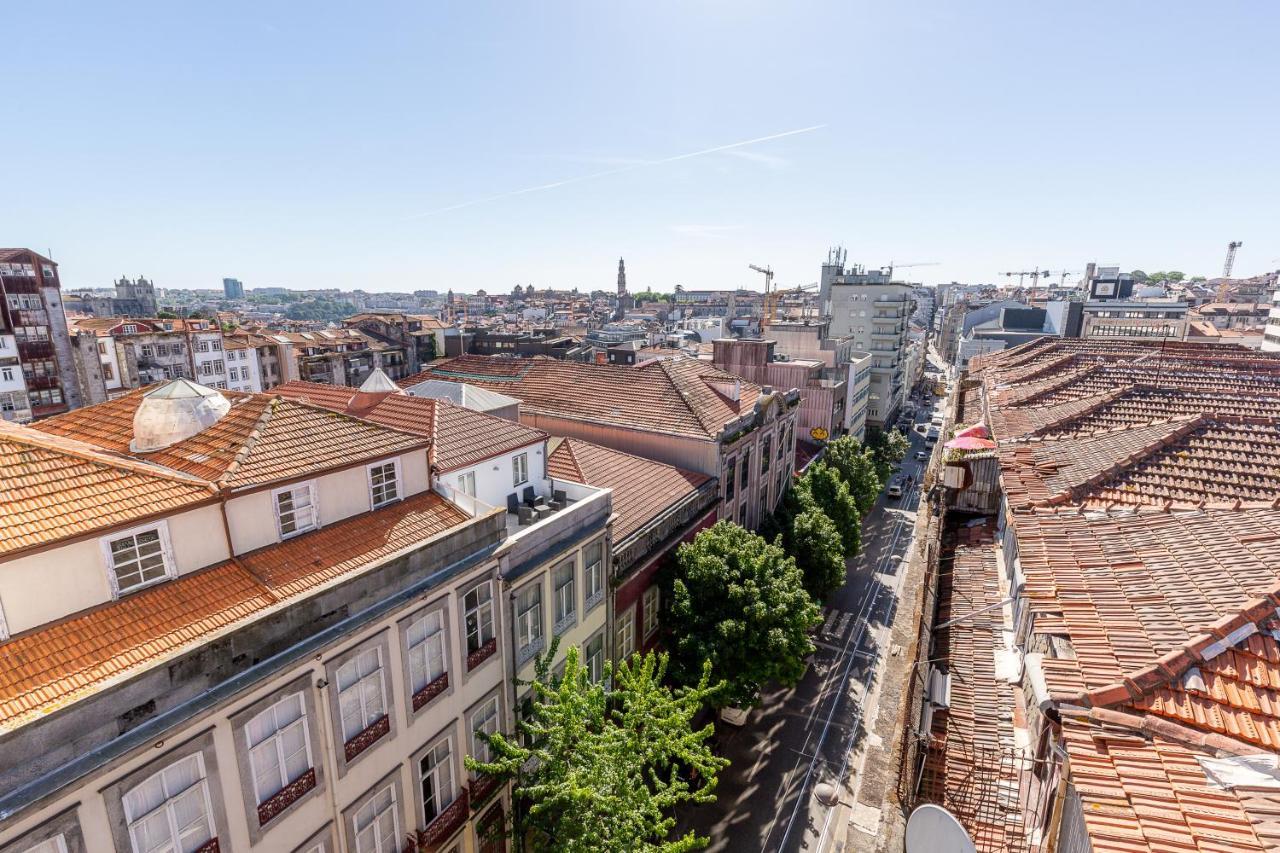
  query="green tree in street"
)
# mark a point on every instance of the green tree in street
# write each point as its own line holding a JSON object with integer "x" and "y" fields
{"x": 832, "y": 497}
{"x": 605, "y": 769}
{"x": 739, "y": 602}
{"x": 818, "y": 551}
{"x": 855, "y": 464}
{"x": 888, "y": 447}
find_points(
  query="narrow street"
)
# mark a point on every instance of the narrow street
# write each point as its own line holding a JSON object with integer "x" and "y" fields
{"x": 809, "y": 735}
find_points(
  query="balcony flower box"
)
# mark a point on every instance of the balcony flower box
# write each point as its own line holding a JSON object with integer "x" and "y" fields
{"x": 285, "y": 797}
{"x": 430, "y": 691}
{"x": 482, "y": 654}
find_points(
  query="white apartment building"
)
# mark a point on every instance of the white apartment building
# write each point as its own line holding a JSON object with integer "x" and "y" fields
{"x": 264, "y": 628}
{"x": 1271, "y": 338}
{"x": 875, "y": 316}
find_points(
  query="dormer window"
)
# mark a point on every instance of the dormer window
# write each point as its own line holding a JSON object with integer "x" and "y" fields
{"x": 384, "y": 483}
{"x": 295, "y": 509}
{"x": 138, "y": 558}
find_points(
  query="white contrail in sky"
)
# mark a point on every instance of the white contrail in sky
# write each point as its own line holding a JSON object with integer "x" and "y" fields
{"x": 628, "y": 168}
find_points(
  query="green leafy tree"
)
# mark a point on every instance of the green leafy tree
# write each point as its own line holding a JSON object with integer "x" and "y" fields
{"x": 856, "y": 465}
{"x": 1139, "y": 276}
{"x": 816, "y": 545}
{"x": 832, "y": 497}
{"x": 608, "y": 768}
{"x": 651, "y": 296}
{"x": 739, "y": 602}
{"x": 166, "y": 315}
{"x": 888, "y": 447}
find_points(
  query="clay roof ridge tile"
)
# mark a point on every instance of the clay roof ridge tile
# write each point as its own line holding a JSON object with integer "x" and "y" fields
{"x": 246, "y": 447}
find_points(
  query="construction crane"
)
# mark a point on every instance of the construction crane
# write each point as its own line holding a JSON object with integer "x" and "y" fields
{"x": 766, "y": 306}
{"x": 1036, "y": 274}
{"x": 892, "y": 266}
{"x": 1231, "y": 257}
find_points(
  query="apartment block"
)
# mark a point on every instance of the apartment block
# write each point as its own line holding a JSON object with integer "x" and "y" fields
{"x": 268, "y": 622}
{"x": 37, "y": 361}
{"x": 875, "y": 316}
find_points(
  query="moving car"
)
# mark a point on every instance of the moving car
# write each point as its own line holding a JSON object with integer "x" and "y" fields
{"x": 922, "y": 455}
{"x": 895, "y": 489}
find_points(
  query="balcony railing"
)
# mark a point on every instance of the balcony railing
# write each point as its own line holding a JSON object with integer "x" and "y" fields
{"x": 442, "y": 828}
{"x": 481, "y": 788}
{"x": 367, "y": 738}
{"x": 285, "y": 797}
{"x": 430, "y": 691}
{"x": 482, "y": 654}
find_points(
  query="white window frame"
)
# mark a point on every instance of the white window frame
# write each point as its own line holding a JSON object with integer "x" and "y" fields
{"x": 529, "y": 619}
{"x": 131, "y": 821}
{"x": 592, "y": 571}
{"x": 393, "y": 808}
{"x": 485, "y": 718}
{"x": 480, "y": 608}
{"x": 564, "y": 596}
{"x": 360, "y": 696}
{"x": 422, "y": 648}
{"x": 520, "y": 468}
{"x": 395, "y": 463}
{"x": 449, "y": 774}
{"x": 273, "y": 743}
{"x": 166, "y": 555}
{"x": 595, "y": 665}
{"x": 650, "y": 602}
{"x": 626, "y": 627}
{"x": 313, "y": 509}
{"x": 467, "y": 483}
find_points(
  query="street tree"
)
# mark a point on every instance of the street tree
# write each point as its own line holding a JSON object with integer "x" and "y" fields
{"x": 605, "y": 769}
{"x": 832, "y": 497}
{"x": 855, "y": 464}
{"x": 739, "y": 602}
{"x": 888, "y": 447}
{"x": 819, "y": 553}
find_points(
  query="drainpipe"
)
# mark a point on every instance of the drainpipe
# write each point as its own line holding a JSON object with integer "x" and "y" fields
{"x": 326, "y": 751}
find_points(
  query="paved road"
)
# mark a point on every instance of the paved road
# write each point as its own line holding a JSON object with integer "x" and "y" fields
{"x": 801, "y": 737}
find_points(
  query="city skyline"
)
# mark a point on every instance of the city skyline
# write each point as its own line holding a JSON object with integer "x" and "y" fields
{"x": 485, "y": 147}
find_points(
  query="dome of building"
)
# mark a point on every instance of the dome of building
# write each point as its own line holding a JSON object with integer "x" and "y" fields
{"x": 175, "y": 411}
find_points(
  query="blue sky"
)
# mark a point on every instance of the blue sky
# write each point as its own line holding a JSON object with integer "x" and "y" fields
{"x": 337, "y": 144}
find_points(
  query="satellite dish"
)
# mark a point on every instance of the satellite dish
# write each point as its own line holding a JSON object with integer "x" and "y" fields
{"x": 933, "y": 829}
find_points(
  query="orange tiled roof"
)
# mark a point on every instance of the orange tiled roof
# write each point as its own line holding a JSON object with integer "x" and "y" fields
{"x": 462, "y": 437}
{"x": 262, "y": 439}
{"x": 55, "y": 488}
{"x": 57, "y": 664}
{"x": 966, "y": 769}
{"x": 1128, "y": 589}
{"x": 1184, "y": 462}
{"x": 642, "y": 488}
{"x": 681, "y": 396}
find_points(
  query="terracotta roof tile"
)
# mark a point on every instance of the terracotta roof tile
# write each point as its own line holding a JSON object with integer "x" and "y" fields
{"x": 642, "y": 489}
{"x": 462, "y": 436}
{"x": 52, "y": 666}
{"x": 55, "y": 488}
{"x": 262, "y": 439}
{"x": 683, "y": 396}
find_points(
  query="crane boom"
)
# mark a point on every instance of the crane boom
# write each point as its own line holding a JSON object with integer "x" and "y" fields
{"x": 1231, "y": 257}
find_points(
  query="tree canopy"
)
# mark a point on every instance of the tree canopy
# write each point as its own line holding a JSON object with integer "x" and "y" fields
{"x": 856, "y": 465}
{"x": 606, "y": 768}
{"x": 832, "y": 497}
{"x": 739, "y": 602}
{"x": 888, "y": 447}
{"x": 817, "y": 548}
